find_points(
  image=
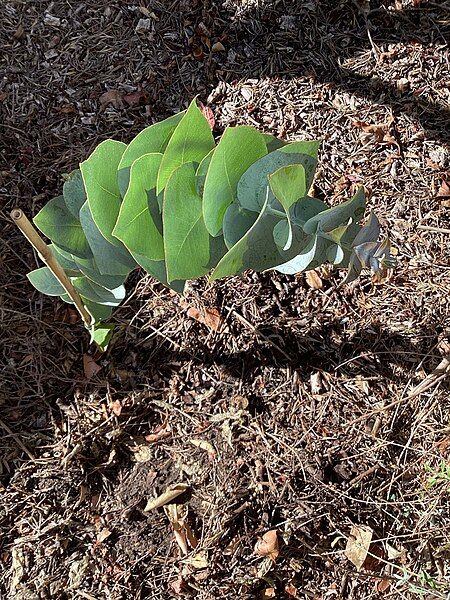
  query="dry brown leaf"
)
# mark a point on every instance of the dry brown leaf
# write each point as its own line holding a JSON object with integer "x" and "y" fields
{"x": 113, "y": 98}
{"x": 19, "y": 33}
{"x": 313, "y": 280}
{"x": 379, "y": 130}
{"x": 268, "y": 545}
{"x": 197, "y": 52}
{"x": 375, "y": 558}
{"x": 204, "y": 445}
{"x": 170, "y": 494}
{"x": 161, "y": 432}
{"x": 316, "y": 383}
{"x": 91, "y": 368}
{"x": 179, "y": 586}
{"x": 190, "y": 535}
{"x": 198, "y": 561}
{"x": 268, "y": 593}
{"x": 103, "y": 534}
{"x": 358, "y": 545}
{"x": 291, "y": 590}
{"x": 218, "y": 47}
{"x": 207, "y": 316}
{"x": 184, "y": 536}
{"x": 383, "y": 585}
{"x": 116, "y": 407}
{"x": 142, "y": 453}
{"x": 444, "y": 190}
{"x": 208, "y": 114}
{"x": 443, "y": 445}
{"x": 136, "y": 98}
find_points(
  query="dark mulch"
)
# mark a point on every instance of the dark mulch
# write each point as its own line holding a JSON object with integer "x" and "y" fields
{"x": 294, "y": 418}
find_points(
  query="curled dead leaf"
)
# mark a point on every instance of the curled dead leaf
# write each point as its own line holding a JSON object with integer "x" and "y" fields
{"x": 204, "y": 445}
{"x": 382, "y": 585}
{"x": 161, "y": 432}
{"x": 444, "y": 190}
{"x": 184, "y": 536}
{"x": 136, "y": 98}
{"x": 91, "y": 368}
{"x": 381, "y": 131}
{"x": 170, "y": 494}
{"x": 290, "y": 590}
{"x": 218, "y": 47}
{"x": 268, "y": 545}
{"x": 208, "y": 114}
{"x": 103, "y": 534}
{"x": 116, "y": 407}
{"x": 207, "y": 316}
{"x": 358, "y": 545}
{"x": 113, "y": 98}
{"x": 313, "y": 280}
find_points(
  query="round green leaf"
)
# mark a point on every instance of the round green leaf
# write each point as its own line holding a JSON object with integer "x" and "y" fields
{"x": 99, "y": 173}
{"x": 139, "y": 223}
{"x": 191, "y": 141}
{"x": 74, "y": 192}
{"x": 153, "y": 139}
{"x": 338, "y": 215}
{"x": 110, "y": 259}
{"x": 237, "y": 150}
{"x": 61, "y": 227}
{"x": 288, "y": 184}
{"x": 45, "y": 282}
{"x": 186, "y": 240}
{"x": 98, "y": 294}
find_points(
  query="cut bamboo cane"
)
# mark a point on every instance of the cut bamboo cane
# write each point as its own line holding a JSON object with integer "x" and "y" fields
{"x": 47, "y": 256}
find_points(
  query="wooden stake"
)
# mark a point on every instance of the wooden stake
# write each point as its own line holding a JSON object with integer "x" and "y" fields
{"x": 47, "y": 256}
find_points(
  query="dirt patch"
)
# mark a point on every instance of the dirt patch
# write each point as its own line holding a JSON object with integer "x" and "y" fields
{"x": 295, "y": 417}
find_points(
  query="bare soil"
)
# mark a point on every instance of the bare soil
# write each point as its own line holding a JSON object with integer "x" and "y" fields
{"x": 297, "y": 416}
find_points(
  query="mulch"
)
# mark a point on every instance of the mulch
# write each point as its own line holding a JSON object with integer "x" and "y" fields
{"x": 294, "y": 416}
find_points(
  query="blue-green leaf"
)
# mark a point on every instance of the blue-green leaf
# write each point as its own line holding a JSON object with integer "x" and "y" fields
{"x": 110, "y": 259}
{"x": 62, "y": 228}
{"x": 101, "y": 334}
{"x": 186, "y": 240}
{"x": 139, "y": 224}
{"x": 191, "y": 141}
{"x": 236, "y": 222}
{"x": 288, "y": 184}
{"x": 237, "y": 150}
{"x": 253, "y": 185}
{"x": 45, "y": 282}
{"x": 153, "y": 139}
{"x": 99, "y": 173}
{"x": 255, "y": 250}
{"x": 157, "y": 269}
{"x": 74, "y": 193}
{"x": 98, "y": 294}
{"x": 338, "y": 215}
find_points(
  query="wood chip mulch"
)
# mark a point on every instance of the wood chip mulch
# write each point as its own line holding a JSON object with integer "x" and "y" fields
{"x": 294, "y": 416}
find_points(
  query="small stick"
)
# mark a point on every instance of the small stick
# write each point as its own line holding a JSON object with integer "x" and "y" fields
{"x": 47, "y": 256}
{"x": 435, "y": 229}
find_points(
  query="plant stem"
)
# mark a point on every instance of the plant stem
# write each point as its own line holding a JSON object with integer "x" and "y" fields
{"x": 276, "y": 212}
{"x": 50, "y": 261}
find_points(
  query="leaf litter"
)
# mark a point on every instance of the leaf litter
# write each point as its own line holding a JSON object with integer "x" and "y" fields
{"x": 320, "y": 466}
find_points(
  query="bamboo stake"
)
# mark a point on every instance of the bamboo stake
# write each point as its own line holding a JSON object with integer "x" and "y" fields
{"x": 28, "y": 230}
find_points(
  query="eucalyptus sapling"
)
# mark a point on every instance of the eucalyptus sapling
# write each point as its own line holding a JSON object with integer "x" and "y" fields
{"x": 180, "y": 206}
